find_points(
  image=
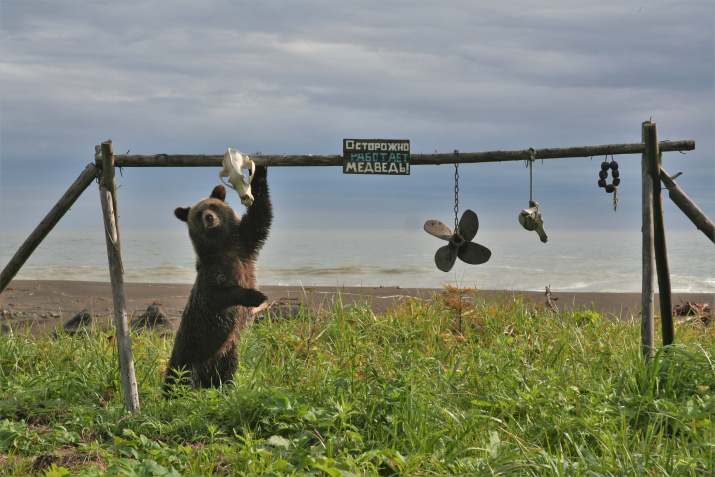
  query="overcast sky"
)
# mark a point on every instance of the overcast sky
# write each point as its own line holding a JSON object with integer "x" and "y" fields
{"x": 298, "y": 77}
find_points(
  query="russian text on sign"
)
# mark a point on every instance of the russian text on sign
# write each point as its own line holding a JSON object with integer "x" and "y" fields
{"x": 376, "y": 156}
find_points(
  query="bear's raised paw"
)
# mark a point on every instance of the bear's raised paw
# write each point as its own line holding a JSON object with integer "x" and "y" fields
{"x": 254, "y": 298}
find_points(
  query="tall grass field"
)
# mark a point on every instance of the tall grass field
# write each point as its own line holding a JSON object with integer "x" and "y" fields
{"x": 456, "y": 386}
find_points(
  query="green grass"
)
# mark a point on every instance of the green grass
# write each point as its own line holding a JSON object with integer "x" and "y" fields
{"x": 514, "y": 391}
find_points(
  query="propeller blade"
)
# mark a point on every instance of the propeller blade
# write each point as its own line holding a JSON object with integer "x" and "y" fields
{"x": 468, "y": 225}
{"x": 438, "y": 229}
{"x": 473, "y": 253}
{"x": 445, "y": 257}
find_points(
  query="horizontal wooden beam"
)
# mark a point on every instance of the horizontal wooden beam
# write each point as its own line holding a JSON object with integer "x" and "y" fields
{"x": 283, "y": 160}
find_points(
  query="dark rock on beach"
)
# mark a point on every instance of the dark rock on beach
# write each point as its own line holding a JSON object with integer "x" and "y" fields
{"x": 78, "y": 323}
{"x": 153, "y": 318}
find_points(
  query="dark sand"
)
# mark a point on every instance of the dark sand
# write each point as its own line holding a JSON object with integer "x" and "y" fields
{"x": 43, "y": 304}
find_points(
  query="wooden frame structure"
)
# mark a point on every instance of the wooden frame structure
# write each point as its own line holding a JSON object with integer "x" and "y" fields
{"x": 653, "y": 246}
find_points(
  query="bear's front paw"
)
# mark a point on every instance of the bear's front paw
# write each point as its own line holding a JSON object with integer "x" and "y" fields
{"x": 254, "y": 298}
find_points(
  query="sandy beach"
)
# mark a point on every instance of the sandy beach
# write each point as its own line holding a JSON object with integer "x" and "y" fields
{"x": 46, "y": 304}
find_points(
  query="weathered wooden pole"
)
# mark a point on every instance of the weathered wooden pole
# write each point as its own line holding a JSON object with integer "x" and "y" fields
{"x": 107, "y": 194}
{"x": 689, "y": 208}
{"x": 294, "y": 160}
{"x": 647, "y": 286}
{"x": 654, "y": 159}
{"x": 47, "y": 224}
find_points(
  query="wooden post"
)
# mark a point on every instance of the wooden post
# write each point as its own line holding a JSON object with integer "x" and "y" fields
{"x": 647, "y": 286}
{"x": 109, "y": 177}
{"x": 107, "y": 195}
{"x": 681, "y": 199}
{"x": 46, "y": 225}
{"x": 654, "y": 159}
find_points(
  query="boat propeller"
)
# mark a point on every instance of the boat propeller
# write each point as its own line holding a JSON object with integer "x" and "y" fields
{"x": 460, "y": 242}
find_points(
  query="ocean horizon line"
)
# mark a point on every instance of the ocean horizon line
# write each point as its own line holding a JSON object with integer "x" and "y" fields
{"x": 571, "y": 260}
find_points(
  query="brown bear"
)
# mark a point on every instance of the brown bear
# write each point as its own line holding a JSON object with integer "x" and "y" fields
{"x": 219, "y": 306}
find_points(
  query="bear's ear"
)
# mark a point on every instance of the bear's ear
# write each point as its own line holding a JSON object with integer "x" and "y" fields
{"x": 182, "y": 213}
{"x": 219, "y": 193}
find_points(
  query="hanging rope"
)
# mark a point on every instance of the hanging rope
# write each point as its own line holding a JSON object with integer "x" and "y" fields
{"x": 532, "y": 158}
{"x": 531, "y": 181}
{"x": 615, "y": 198}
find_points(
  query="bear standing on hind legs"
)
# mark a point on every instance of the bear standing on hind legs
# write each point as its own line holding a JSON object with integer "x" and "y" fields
{"x": 220, "y": 303}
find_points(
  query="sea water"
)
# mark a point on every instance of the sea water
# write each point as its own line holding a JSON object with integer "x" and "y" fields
{"x": 572, "y": 260}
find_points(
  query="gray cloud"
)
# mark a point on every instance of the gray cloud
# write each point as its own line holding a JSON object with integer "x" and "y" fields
{"x": 298, "y": 77}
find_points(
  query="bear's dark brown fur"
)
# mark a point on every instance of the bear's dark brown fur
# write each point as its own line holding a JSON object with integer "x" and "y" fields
{"x": 218, "y": 309}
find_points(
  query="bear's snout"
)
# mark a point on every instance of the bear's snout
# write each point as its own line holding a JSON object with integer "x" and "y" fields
{"x": 210, "y": 219}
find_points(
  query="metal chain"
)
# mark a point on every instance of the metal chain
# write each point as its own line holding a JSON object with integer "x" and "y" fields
{"x": 456, "y": 197}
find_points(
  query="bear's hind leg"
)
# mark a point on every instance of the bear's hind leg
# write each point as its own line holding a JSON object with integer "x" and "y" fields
{"x": 219, "y": 370}
{"x": 228, "y": 364}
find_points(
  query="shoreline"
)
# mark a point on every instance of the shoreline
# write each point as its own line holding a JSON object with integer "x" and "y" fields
{"x": 39, "y": 304}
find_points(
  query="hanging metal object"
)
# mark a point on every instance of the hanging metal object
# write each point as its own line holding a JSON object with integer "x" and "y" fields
{"x": 460, "y": 242}
{"x": 531, "y": 218}
{"x": 603, "y": 175}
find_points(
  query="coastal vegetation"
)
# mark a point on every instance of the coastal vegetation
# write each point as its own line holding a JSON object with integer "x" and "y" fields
{"x": 453, "y": 386}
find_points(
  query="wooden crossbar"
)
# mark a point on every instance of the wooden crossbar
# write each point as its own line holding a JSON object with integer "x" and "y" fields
{"x": 305, "y": 160}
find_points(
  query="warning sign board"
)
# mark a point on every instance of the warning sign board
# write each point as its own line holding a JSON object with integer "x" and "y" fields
{"x": 376, "y": 156}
